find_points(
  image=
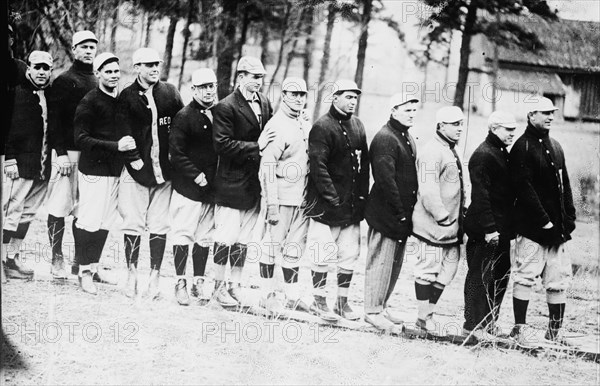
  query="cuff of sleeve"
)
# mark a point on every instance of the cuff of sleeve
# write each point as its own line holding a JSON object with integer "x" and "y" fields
{"x": 198, "y": 179}
{"x": 10, "y": 162}
{"x": 61, "y": 151}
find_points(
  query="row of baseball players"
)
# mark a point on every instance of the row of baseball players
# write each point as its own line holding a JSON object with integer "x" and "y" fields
{"x": 214, "y": 173}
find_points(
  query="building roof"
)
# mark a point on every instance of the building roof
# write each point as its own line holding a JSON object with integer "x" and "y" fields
{"x": 568, "y": 44}
{"x": 533, "y": 82}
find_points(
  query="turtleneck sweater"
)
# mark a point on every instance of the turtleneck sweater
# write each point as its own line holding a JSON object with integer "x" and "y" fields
{"x": 284, "y": 162}
{"x": 68, "y": 90}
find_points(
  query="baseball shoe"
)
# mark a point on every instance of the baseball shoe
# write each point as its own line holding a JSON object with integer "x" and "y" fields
{"x": 16, "y": 270}
{"x": 343, "y": 309}
{"x": 131, "y": 288}
{"x": 222, "y": 296}
{"x": 427, "y": 325}
{"x": 320, "y": 308}
{"x": 197, "y": 288}
{"x": 272, "y": 303}
{"x": 556, "y": 337}
{"x": 235, "y": 290}
{"x": 297, "y": 305}
{"x": 87, "y": 283}
{"x": 392, "y": 316}
{"x": 379, "y": 321}
{"x": 524, "y": 336}
{"x": 58, "y": 267}
{"x": 181, "y": 293}
{"x": 153, "y": 287}
{"x": 102, "y": 277}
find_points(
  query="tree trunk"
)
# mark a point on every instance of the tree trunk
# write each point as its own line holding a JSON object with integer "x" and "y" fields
{"x": 284, "y": 29}
{"x": 149, "y": 22}
{"x": 264, "y": 43}
{"x": 186, "y": 39}
{"x": 226, "y": 47}
{"x": 465, "y": 52}
{"x": 362, "y": 45}
{"x": 168, "y": 55}
{"x": 244, "y": 32}
{"x": 308, "y": 44}
{"x": 115, "y": 24}
{"x": 331, "y": 14}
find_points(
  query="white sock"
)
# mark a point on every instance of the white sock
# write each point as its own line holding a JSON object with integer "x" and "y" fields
{"x": 220, "y": 272}
{"x": 236, "y": 275}
{"x": 83, "y": 268}
{"x": 292, "y": 291}
{"x": 94, "y": 267}
{"x": 13, "y": 247}
{"x": 423, "y": 309}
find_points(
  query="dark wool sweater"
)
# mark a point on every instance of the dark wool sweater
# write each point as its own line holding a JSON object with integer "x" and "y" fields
{"x": 339, "y": 169}
{"x": 394, "y": 192}
{"x": 26, "y": 132}
{"x": 96, "y": 135}
{"x": 134, "y": 118}
{"x": 492, "y": 195}
{"x": 542, "y": 186}
{"x": 192, "y": 152}
{"x": 69, "y": 88}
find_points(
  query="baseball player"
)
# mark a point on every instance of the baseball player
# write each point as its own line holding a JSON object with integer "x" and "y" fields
{"x": 389, "y": 208}
{"x": 99, "y": 169}
{"x": 194, "y": 163}
{"x": 544, "y": 218}
{"x": 238, "y": 121}
{"x": 488, "y": 223}
{"x": 70, "y": 87}
{"x": 337, "y": 192}
{"x": 283, "y": 176}
{"x": 27, "y": 161}
{"x": 144, "y": 112}
{"x": 437, "y": 216}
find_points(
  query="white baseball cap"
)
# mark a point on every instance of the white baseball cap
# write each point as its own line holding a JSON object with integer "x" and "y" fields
{"x": 294, "y": 84}
{"x": 502, "y": 118}
{"x": 346, "y": 85}
{"x": 103, "y": 58}
{"x": 449, "y": 114}
{"x": 83, "y": 36}
{"x": 203, "y": 76}
{"x": 146, "y": 55}
{"x": 401, "y": 98}
{"x": 543, "y": 104}
{"x": 251, "y": 65}
{"x": 37, "y": 57}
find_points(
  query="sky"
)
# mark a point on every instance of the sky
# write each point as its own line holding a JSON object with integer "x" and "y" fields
{"x": 577, "y": 9}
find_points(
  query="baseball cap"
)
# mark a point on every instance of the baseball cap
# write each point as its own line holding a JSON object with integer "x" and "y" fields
{"x": 37, "y": 57}
{"x": 146, "y": 55}
{"x": 449, "y": 114}
{"x": 502, "y": 118}
{"x": 543, "y": 104}
{"x": 83, "y": 36}
{"x": 294, "y": 84}
{"x": 203, "y": 76}
{"x": 346, "y": 85}
{"x": 401, "y": 98}
{"x": 251, "y": 65}
{"x": 104, "y": 58}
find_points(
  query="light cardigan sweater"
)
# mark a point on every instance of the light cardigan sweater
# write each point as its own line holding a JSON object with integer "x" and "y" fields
{"x": 441, "y": 194}
{"x": 284, "y": 161}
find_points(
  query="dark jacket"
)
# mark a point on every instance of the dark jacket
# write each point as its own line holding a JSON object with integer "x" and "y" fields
{"x": 542, "y": 187}
{"x": 492, "y": 196}
{"x": 339, "y": 169}
{"x": 235, "y": 135}
{"x": 134, "y": 118}
{"x": 69, "y": 88}
{"x": 96, "y": 135}
{"x": 394, "y": 192}
{"x": 26, "y": 132}
{"x": 192, "y": 152}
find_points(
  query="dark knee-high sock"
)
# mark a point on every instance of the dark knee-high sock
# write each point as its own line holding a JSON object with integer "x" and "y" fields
{"x": 290, "y": 275}
{"x": 520, "y": 310}
{"x": 100, "y": 237}
{"x": 199, "y": 259}
{"x": 157, "y": 249}
{"x": 319, "y": 280}
{"x": 343, "y": 281}
{"x": 180, "y": 255}
{"x": 132, "y": 249}
{"x": 557, "y": 313}
{"x": 266, "y": 270}
{"x": 56, "y": 232}
{"x": 436, "y": 292}
{"x": 423, "y": 294}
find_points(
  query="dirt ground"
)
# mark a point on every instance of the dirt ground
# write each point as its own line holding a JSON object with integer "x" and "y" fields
{"x": 67, "y": 337}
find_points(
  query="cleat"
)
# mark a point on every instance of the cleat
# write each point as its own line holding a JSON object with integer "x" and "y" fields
{"x": 87, "y": 283}
{"x": 16, "y": 270}
{"x": 181, "y": 293}
{"x": 58, "y": 267}
{"x": 320, "y": 308}
{"x": 343, "y": 309}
